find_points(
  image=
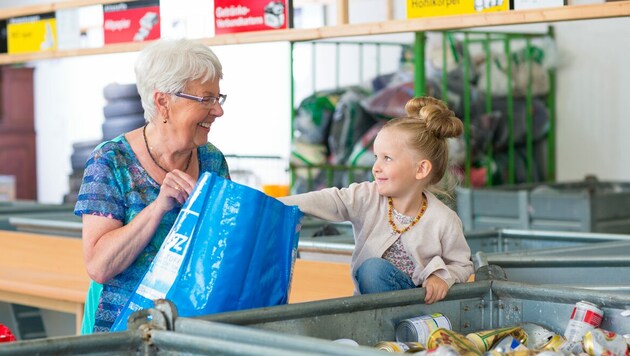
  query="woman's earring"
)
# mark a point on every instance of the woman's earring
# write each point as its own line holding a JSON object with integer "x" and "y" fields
{"x": 165, "y": 120}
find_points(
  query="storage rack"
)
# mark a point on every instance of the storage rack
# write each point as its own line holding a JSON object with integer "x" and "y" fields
{"x": 469, "y": 39}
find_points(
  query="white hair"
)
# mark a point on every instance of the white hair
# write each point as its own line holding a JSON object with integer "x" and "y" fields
{"x": 169, "y": 65}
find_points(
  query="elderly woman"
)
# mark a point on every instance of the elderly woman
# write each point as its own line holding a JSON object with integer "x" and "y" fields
{"x": 135, "y": 184}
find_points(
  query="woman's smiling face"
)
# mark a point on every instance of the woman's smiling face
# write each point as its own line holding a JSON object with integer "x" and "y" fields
{"x": 194, "y": 118}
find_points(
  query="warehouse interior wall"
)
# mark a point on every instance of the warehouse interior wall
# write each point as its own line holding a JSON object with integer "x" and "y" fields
{"x": 592, "y": 94}
{"x": 593, "y": 114}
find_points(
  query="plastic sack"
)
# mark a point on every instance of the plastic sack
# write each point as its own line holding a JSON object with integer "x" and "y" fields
{"x": 231, "y": 248}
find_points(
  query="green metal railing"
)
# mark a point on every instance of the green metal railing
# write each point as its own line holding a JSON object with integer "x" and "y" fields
{"x": 469, "y": 39}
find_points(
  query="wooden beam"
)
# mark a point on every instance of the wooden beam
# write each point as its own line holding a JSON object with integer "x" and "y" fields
{"x": 390, "y": 10}
{"x": 342, "y": 12}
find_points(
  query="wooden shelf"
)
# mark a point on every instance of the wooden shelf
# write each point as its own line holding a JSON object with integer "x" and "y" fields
{"x": 46, "y": 8}
{"x": 567, "y": 13}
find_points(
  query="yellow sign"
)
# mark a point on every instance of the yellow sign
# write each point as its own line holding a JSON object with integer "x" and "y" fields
{"x": 431, "y": 8}
{"x": 32, "y": 34}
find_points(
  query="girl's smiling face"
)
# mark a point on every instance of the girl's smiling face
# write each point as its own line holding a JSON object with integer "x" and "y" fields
{"x": 396, "y": 163}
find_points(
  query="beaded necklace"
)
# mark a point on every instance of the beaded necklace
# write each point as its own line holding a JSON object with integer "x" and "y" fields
{"x": 390, "y": 211}
{"x": 146, "y": 143}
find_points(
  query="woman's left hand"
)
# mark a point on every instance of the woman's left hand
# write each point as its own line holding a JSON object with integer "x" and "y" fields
{"x": 436, "y": 289}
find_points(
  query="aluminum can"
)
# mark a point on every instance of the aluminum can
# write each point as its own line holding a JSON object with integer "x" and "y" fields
{"x": 395, "y": 346}
{"x": 556, "y": 343}
{"x": 419, "y": 328}
{"x": 5, "y": 334}
{"x": 449, "y": 337}
{"x": 485, "y": 340}
{"x": 586, "y": 316}
{"x": 443, "y": 350}
{"x": 537, "y": 336}
{"x": 599, "y": 342}
{"x": 509, "y": 344}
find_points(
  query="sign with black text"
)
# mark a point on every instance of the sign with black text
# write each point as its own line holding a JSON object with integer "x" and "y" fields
{"x": 134, "y": 21}
{"x": 30, "y": 34}
{"x": 233, "y": 16}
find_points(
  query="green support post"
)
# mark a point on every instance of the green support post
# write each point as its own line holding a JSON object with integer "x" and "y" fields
{"x": 420, "y": 86}
{"x": 551, "y": 135}
{"x": 444, "y": 68}
{"x": 510, "y": 112}
{"x": 488, "y": 94}
{"x": 529, "y": 112}
{"x": 467, "y": 113}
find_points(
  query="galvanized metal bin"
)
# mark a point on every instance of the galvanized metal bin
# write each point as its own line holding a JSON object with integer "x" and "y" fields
{"x": 576, "y": 206}
{"x": 603, "y": 266}
{"x": 336, "y": 247}
{"x": 510, "y": 240}
{"x": 165, "y": 334}
{"x": 24, "y": 207}
{"x": 369, "y": 319}
{"x": 63, "y": 223}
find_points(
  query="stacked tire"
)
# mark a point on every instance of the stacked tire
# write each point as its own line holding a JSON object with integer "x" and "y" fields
{"x": 123, "y": 113}
{"x": 81, "y": 152}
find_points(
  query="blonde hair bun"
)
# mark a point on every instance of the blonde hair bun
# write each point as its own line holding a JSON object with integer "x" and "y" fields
{"x": 439, "y": 119}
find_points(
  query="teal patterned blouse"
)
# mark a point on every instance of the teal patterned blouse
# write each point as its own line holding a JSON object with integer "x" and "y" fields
{"x": 116, "y": 186}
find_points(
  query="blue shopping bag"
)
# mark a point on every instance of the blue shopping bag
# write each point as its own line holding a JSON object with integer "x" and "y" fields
{"x": 231, "y": 248}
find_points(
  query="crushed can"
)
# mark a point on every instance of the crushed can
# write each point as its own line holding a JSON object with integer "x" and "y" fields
{"x": 556, "y": 343}
{"x": 586, "y": 316}
{"x": 5, "y": 334}
{"x": 448, "y": 337}
{"x": 509, "y": 344}
{"x": 599, "y": 342}
{"x": 537, "y": 335}
{"x": 395, "y": 346}
{"x": 485, "y": 340}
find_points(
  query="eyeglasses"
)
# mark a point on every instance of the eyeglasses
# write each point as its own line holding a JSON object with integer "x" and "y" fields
{"x": 205, "y": 100}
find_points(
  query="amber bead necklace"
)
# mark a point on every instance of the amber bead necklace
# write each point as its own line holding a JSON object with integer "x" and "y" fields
{"x": 390, "y": 217}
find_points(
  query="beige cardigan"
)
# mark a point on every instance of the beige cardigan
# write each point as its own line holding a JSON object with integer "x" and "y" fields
{"x": 436, "y": 243}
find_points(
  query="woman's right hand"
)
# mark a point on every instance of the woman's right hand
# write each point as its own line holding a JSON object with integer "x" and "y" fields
{"x": 176, "y": 187}
{"x": 109, "y": 247}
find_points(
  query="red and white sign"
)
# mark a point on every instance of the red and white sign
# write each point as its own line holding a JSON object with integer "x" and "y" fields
{"x": 233, "y": 16}
{"x": 131, "y": 21}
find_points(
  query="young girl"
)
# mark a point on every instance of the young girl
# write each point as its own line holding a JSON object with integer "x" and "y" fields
{"x": 404, "y": 236}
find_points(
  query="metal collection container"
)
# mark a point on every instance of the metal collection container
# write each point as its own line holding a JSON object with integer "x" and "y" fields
{"x": 602, "y": 266}
{"x": 369, "y": 319}
{"x": 340, "y": 247}
{"x": 310, "y": 328}
{"x": 26, "y": 207}
{"x": 574, "y": 206}
{"x": 166, "y": 334}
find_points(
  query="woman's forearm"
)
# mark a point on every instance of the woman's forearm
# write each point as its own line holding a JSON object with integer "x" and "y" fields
{"x": 110, "y": 247}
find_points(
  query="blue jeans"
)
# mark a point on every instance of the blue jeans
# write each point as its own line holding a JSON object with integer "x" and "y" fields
{"x": 377, "y": 275}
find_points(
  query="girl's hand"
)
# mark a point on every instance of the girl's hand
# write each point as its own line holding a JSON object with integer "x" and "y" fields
{"x": 436, "y": 289}
{"x": 175, "y": 189}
